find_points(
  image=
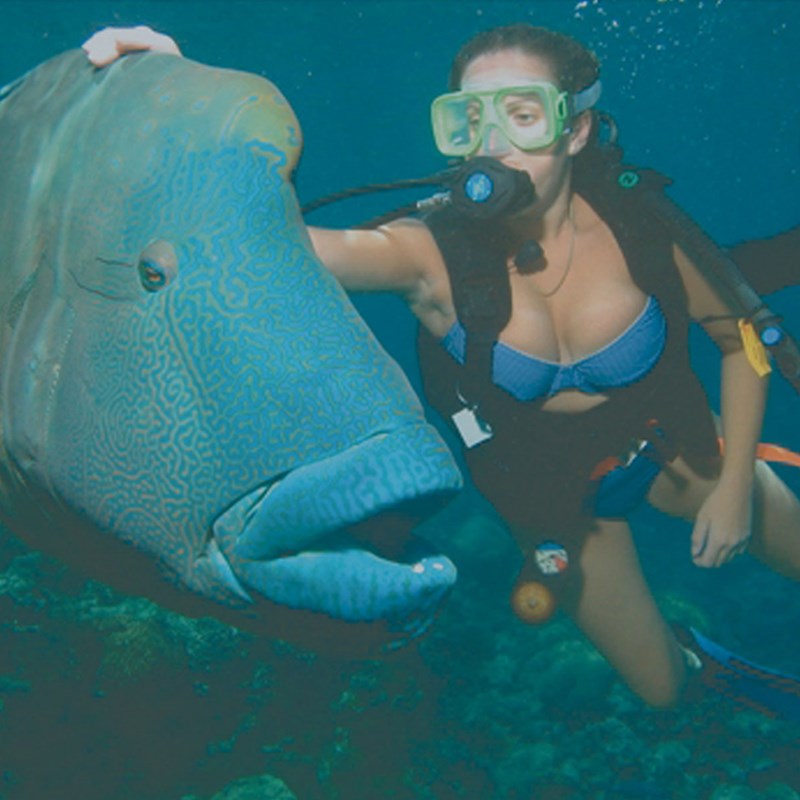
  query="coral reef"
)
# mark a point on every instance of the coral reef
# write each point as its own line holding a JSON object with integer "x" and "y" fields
{"x": 484, "y": 706}
{"x": 257, "y": 787}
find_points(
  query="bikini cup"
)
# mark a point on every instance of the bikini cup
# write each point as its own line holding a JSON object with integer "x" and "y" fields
{"x": 624, "y": 360}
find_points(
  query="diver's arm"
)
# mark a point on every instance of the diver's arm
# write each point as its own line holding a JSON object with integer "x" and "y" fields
{"x": 401, "y": 257}
{"x": 108, "y": 44}
{"x": 723, "y": 525}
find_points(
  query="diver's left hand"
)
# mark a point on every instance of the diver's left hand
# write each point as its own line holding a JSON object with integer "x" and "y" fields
{"x": 109, "y": 44}
{"x": 723, "y": 527}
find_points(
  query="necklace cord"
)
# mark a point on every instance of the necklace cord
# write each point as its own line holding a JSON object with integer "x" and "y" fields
{"x": 568, "y": 267}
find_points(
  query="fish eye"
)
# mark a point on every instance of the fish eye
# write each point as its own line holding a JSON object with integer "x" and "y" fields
{"x": 153, "y": 277}
{"x": 158, "y": 266}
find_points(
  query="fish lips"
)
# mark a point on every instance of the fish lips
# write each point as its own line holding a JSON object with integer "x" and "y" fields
{"x": 316, "y": 538}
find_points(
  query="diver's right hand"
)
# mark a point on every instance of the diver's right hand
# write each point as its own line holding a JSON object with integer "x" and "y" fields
{"x": 109, "y": 44}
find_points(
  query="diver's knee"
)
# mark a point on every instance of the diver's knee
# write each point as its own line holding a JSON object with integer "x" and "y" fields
{"x": 663, "y": 696}
{"x": 666, "y": 690}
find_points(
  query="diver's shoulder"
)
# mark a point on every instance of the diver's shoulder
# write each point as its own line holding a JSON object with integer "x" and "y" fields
{"x": 430, "y": 297}
{"x": 416, "y": 246}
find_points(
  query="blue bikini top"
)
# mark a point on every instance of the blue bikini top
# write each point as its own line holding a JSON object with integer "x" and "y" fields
{"x": 625, "y": 360}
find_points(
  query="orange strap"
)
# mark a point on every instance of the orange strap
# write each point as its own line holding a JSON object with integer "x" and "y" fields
{"x": 775, "y": 453}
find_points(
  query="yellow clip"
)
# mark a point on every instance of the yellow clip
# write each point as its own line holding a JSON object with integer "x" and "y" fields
{"x": 754, "y": 349}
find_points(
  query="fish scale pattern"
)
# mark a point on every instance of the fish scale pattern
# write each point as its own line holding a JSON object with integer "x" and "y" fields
{"x": 250, "y": 363}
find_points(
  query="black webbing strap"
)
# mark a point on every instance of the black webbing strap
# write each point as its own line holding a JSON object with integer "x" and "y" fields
{"x": 475, "y": 256}
{"x": 719, "y": 269}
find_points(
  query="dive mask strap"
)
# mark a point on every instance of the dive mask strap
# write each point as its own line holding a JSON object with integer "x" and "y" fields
{"x": 586, "y": 98}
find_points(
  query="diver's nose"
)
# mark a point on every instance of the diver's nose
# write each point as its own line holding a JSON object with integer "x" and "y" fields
{"x": 494, "y": 143}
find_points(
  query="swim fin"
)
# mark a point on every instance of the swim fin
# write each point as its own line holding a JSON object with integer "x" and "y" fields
{"x": 773, "y": 693}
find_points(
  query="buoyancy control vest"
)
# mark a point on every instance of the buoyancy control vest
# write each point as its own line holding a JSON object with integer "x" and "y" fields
{"x": 770, "y": 264}
{"x": 536, "y": 467}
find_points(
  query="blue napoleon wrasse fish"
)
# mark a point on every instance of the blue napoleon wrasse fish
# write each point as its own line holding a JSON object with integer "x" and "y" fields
{"x": 190, "y": 407}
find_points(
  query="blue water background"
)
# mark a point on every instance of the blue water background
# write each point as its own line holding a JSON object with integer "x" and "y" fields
{"x": 704, "y": 91}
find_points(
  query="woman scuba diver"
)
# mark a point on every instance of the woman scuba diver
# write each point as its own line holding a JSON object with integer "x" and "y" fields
{"x": 587, "y": 404}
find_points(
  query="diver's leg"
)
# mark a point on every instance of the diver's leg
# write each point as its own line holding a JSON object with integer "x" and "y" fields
{"x": 680, "y": 491}
{"x": 776, "y": 540}
{"x": 614, "y": 607}
{"x": 776, "y": 528}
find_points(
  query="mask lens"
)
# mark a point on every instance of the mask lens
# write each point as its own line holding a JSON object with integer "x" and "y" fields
{"x": 528, "y": 117}
{"x": 457, "y": 123}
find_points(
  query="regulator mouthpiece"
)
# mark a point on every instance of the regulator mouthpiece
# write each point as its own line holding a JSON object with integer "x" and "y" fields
{"x": 485, "y": 189}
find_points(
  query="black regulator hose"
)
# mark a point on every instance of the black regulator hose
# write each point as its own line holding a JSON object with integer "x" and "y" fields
{"x": 480, "y": 189}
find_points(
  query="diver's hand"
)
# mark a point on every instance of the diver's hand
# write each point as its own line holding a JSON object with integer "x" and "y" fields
{"x": 109, "y": 44}
{"x": 723, "y": 527}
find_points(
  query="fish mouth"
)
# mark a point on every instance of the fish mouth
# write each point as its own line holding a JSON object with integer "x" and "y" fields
{"x": 336, "y": 536}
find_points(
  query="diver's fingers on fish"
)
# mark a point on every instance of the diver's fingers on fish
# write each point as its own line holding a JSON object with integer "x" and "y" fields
{"x": 107, "y": 45}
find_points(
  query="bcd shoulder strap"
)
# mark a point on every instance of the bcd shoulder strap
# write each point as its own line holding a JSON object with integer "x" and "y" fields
{"x": 762, "y": 329}
{"x": 475, "y": 254}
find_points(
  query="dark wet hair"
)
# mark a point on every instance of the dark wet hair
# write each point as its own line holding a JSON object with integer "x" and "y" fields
{"x": 573, "y": 65}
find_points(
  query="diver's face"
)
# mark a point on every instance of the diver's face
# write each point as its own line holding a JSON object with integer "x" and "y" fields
{"x": 548, "y": 167}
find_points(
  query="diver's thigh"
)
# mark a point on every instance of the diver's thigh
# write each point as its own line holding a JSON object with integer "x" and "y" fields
{"x": 679, "y": 490}
{"x": 776, "y": 523}
{"x": 616, "y": 610}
